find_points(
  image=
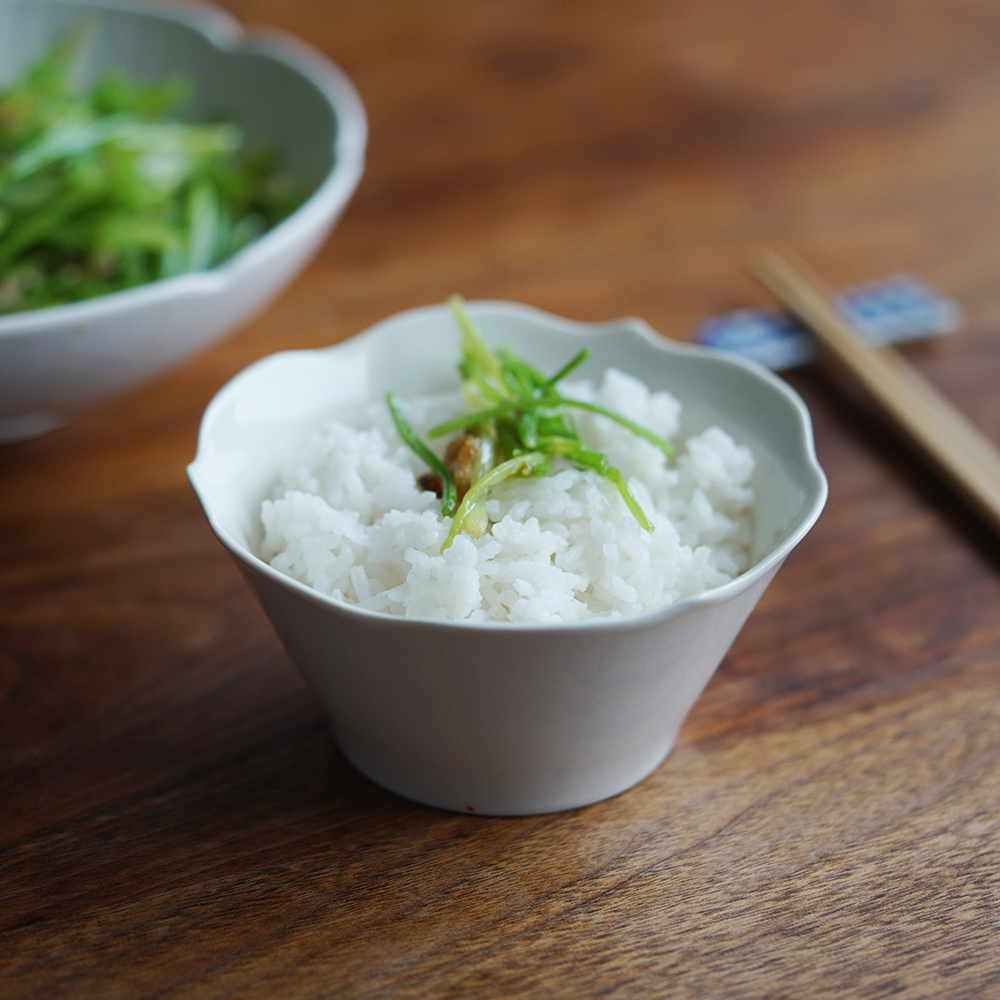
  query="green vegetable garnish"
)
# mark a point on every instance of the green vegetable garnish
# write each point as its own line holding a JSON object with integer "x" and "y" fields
{"x": 525, "y": 419}
{"x": 522, "y": 465}
{"x": 409, "y": 436}
{"x": 101, "y": 190}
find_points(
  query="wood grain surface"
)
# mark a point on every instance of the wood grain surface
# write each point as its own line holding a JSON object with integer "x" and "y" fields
{"x": 175, "y": 821}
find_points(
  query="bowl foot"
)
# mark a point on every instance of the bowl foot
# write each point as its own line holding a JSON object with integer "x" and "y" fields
{"x": 29, "y": 425}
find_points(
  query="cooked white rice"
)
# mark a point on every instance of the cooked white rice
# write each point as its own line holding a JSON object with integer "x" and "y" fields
{"x": 349, "y": 518}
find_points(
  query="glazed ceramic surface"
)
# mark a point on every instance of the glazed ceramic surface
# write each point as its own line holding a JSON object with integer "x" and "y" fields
{"x": 501, "y": 718}
{"x": 57, "y": 360}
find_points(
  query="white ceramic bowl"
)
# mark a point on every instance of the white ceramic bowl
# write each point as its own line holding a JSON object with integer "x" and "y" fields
{"x": 502, "y": 718}
{"x": 57, "y": 360}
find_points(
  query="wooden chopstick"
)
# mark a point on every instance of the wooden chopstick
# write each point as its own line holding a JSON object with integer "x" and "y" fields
{"x": 967, "y": 458}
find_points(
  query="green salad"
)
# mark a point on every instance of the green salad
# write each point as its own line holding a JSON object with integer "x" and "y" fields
{"x": 103, "y": 188}
{"x": 517, "y": 424}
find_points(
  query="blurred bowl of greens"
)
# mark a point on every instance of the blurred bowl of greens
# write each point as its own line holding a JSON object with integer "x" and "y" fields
{"x": 163, "y": 175}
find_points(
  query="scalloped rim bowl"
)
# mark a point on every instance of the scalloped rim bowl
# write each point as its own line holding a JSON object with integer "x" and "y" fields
{"x": 500, "y": 718}
{"x": 57, "y": 360}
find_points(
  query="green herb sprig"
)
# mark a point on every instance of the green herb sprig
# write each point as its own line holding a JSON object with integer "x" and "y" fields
{"x": 527, "y": 420}
{"x": 412, "y": 440}
{"x": 102, "y": 189}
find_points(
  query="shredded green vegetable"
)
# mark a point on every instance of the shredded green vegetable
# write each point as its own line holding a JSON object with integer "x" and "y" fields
{"x": 522, "y": 421}
{"x": 101, "y": 189}
{"x": 406, "y": 432}
{"x": 522, "y": 465}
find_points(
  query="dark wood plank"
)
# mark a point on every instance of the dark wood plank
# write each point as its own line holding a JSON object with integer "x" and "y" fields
{"x": 175, "y": 820}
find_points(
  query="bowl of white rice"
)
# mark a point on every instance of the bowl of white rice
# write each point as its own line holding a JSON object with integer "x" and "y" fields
{"x": 547, "y": 660}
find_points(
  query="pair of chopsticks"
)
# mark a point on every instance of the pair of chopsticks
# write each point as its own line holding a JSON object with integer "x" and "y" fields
{"x": 958, "y": 450}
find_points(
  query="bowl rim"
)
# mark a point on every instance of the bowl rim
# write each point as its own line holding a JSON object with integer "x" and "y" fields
{"x": 626, "y": 326}
{"x": 225, "y": 33}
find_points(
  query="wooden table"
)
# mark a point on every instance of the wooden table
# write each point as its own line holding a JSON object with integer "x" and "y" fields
{"x": 175, "y": 820}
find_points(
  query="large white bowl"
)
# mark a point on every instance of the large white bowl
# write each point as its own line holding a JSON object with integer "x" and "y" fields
{"x": 501, "y": 718}
{"x": 57, "y": 360}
